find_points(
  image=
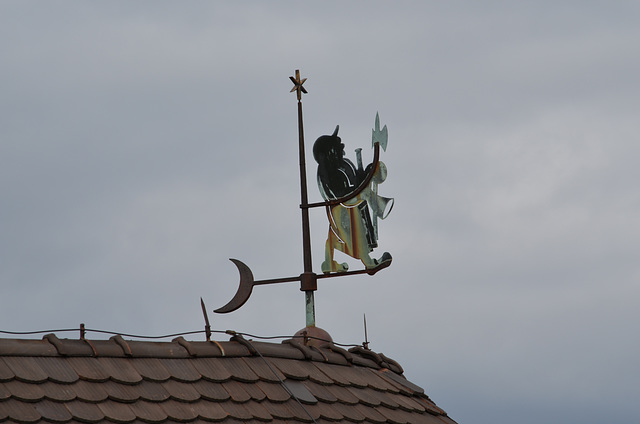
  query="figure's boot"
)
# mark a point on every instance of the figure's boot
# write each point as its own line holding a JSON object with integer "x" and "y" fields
{"x": 370, "y": 263}
{"x": 386, "y": 257}
{"x": 334, "y": 266}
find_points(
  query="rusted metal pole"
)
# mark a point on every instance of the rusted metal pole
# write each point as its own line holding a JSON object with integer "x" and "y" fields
{"x": 308, "y": 280}
{"x": 304, "y": 200}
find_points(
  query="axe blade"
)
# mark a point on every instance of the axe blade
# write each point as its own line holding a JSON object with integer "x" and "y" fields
{"x": 379, "y": 136}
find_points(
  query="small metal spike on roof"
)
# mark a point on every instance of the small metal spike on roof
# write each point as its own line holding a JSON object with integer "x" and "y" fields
{"x": 352, "y": 204}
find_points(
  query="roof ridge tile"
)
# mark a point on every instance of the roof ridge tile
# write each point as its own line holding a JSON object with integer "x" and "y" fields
{"x": 244, "y": 342}
{"x": 393, "y": 363}
{"x": 18, "y": 347}
{"x": 370, "y": 355}
{"x": 201, "y": 348}
{"x": 348, "y": 356}
{"x": 123, "y": 344}
{"x": 306, "y": 351}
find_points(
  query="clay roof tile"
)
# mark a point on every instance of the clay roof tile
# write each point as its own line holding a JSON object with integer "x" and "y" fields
{"x": 264, "y": 370}
{"x": 5, "y": 393}
{"x": 117, "y": 412}
{"x": 182, "y": 392}
{"x": 148, "y": 412}
{"x": 53, "y": 411}
{"x": 371, "y": 414}
{"x": 238, "y": 369}
{"x": 57, "y": 370}
{"x": 85, "y": 412}
{"x": 152, "y": 391}
{"x": 211, "y": 392}
{"x": 151, "y": 369}
{"x": 121, "y": 392}
{"x": 236, "y": 391}
{"x": 321, "y": 392}
{"x": 181, "y": 370}
{"x": 210, "y": 411}
{"x": 120, "y": 371}
{"x": 58, "y": 392}
{"x": 24, "y": 391}
{"x": 26, "y": 369}
{"x": 291, "y": 369}
{"x": 255, "y": 392}
{"x": 349, "y": 412}
{"x": 20, "y": 411}
{"x": 179, "y": 411}
{"x": 274, "y": 391}
{"x": 90, "y": 392}
{"x": 211, "y": 369}
{"x": 5, "y": 372}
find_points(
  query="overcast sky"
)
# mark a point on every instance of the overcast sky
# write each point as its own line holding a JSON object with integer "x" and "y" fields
{"x": 142, "y": 144}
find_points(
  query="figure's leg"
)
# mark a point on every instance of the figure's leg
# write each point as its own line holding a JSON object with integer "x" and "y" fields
{"x": 368, "y": 261}
{"x": 329, "y": 265}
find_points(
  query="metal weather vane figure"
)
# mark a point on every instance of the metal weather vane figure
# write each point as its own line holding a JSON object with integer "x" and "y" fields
{"x": 353, "y": 206}
{"x": 351, "y": 227}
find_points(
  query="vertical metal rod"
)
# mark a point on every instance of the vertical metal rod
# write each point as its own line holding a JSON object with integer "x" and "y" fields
{"x": 310, "y": 308}
{"x": 207, "y": 326}
{"x": 306, "y": 236}
{"x": 366, "y": 338}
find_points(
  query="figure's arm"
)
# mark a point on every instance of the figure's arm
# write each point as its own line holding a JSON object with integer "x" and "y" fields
{"x": 359, "y": 188}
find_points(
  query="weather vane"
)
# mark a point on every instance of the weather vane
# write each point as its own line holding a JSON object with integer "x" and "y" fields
{"x": 353, "y": 207}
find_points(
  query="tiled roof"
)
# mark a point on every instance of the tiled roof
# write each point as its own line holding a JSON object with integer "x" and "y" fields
{"x": 122, "y": 381}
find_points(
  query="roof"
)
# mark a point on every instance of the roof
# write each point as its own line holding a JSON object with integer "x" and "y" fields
{"x": 124, "y": 381}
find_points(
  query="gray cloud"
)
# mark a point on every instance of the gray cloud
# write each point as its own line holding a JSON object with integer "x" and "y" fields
{"x": 143, "y": 145}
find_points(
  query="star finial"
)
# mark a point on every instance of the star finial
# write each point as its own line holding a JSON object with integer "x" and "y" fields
{"x": 297, "y": 85}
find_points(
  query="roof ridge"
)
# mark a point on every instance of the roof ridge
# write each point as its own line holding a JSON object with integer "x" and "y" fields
{"x": 118, "y": 347}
